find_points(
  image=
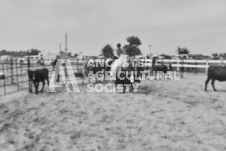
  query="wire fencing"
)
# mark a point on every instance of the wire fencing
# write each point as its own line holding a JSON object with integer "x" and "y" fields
{"x": 13, "y": 74}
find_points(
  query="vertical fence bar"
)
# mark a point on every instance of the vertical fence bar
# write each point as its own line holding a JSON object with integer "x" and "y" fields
{"x": 77, "y": 66}
{"x": 28, "y": 67}
{"x": 196, "y": 69}
{"x": 182, "y": 68}
{"x": 5, "y": 77}
{"x": 178, "y": 62}
{"x": 7, "y": 67}
{"x": 11, "y": 66}
{"x": 207, "y": 65}
{"x": 21, "y": 67}
{"x": 17, "y": 76}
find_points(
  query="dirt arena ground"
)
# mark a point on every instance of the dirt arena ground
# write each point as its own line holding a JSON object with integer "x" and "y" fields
{"x": 161, "y": 116}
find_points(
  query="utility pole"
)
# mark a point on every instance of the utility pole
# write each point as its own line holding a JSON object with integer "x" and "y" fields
{"x": 149, "y": 49}
{"x": 59, "y": 46}
{"x": 66, "y": 43}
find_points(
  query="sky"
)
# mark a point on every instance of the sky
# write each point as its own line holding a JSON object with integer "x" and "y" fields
{"x": 199, "y": 25}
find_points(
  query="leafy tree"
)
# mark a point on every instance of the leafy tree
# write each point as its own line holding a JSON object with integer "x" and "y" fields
{"x": 69, "y": 54}
{"x": 133, "y": 40}
{"x": 34, "y": 51}
{"x": 218, "y": 56}
{"x": 166, "y": 56}
{"x": 132, "y": 48}
{"x": 183, "y": 50}
{"x": 215, "y": 56}
{"x": 75, "y": 55}
{"x": 20, "y": 53}
{"x": 223, "y": 55}
{"x": 3, "y": 52}
{"x": 108, "y": 51}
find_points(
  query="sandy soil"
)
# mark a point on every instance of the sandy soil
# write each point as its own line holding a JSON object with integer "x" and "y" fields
{"x": 162, "y": 116}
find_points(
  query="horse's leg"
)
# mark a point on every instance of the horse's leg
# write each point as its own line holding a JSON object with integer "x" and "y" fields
{"x": 43, "y": 85}
{"x": 131, "y": 88}
{"x": 96, "y": 78}
{"x": 206, "y": 83}
{"x": 212, "y": 82}
{"x": 116, "y": 89}
{"x": 124, "y": 88}
{"x": 58, "y": 78}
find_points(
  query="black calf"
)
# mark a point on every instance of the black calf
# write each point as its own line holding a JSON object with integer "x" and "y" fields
{"x": 37, "y": 76}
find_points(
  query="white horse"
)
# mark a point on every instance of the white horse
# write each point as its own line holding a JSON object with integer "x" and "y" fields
{"x": 116, "y": 66}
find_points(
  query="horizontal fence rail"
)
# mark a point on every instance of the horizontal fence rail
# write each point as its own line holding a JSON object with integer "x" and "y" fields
{"x": 195, "y": 64}
{"x": 191, "y": 61}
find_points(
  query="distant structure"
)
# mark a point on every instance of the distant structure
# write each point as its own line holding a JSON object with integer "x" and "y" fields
{"x": 182, "y": 56}
{"x": 48, "y": 55}
{"x": 66, "y": 43}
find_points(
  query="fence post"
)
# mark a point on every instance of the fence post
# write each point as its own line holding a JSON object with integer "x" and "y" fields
{"x": 11, "y": 66}
{"x": 207, "y": 65}
{"x": 28, "y": 68}
{"x": 178, "y": 62}
{"x": 222, "y": 63}
{"x": 21, "y": 67}
{"x": 77, "y": 66}
{"x": 196, "y": 67}
{"x": 4, "y": 78}
{"x": 182, "y": 68}
{"x": 17, "y": 76}
{"x": 7, "y": 66}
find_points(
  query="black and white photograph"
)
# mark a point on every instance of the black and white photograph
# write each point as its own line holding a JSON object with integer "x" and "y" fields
{"x": 112, "y": 75}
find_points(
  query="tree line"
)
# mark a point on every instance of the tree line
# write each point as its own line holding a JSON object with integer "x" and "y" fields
{"x": 20, "y": 53}
{"x": 131, "y": 49}
{"x": 219, "y": 55}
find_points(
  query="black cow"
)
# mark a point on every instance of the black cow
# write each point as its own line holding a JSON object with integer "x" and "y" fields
{"x": 164, "y": 68}
{"x": 215, "y": 73}
{"x": 37, "y": 76}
